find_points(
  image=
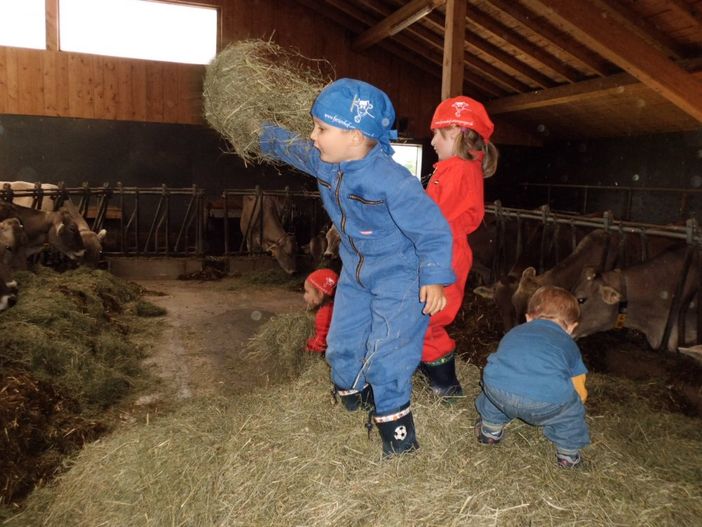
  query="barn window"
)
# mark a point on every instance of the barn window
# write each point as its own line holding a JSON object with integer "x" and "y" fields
{"x": 23, "y": 23}
{"x": 140, "y": 29}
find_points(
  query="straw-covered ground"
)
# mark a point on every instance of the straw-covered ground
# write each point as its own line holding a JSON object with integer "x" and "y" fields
{"x": 70, "y": 349}
{"x": 285, "y": 455}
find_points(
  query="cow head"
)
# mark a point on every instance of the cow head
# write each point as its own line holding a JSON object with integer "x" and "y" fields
{"x": 501, "y": 292}
{"x": 528, "y": 284}
{"x": 333, "y": 240}
{"x": 92, "y": 241}
{"x": 284, "y": 251}
{"x": 317, "y": 247}
{"x": 12, "y": 237}
{"x": 599, "y": 297}
{"x": 65, "y": 236}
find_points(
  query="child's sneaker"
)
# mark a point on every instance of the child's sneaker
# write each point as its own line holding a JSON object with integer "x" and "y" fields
{"x": 568, "y": 460}
{"x": 485, "y": 437}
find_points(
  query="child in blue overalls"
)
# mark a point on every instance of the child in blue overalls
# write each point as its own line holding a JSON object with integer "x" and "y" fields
{"x": 395, "y": 248}
{"x": 537, "y": 375}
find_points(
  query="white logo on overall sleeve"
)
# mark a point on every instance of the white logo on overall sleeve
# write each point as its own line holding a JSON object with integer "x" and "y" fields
{"x": 362, "y": 109}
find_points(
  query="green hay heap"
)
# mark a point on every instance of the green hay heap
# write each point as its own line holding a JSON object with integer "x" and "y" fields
{"x": 69, "y": 348}
{"x": 284, "y": 455}
{"x": 255, "y": 81}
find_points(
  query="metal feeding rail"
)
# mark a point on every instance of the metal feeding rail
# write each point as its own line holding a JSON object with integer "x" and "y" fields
{"x": 125, "y": 209}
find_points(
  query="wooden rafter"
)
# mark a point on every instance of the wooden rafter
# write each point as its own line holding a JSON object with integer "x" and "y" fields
{"x": 691, "y": 13}
{"x": 454, "y": 49}
{"x": 337, "y": 16}
{"x": 501, "y": 31}
{"x": 581, "y": 91}
{"x": 563, "y": 41}
{"x": 396, "y": 22}
{"x": 435, "y": 27}
{"x": 614, "y": 42}
{"x": 402, "y": 46}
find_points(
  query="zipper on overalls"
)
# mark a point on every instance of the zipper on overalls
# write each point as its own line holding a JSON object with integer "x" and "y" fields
{"x": 337, "y": 194}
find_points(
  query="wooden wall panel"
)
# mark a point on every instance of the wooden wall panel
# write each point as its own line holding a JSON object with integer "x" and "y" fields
{"x": 68, "y": 84}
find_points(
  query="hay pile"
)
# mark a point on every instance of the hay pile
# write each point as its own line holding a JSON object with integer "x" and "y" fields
{"x": 70, "y": 348}
{"x": 286, "y": 456}
{"x": 280, "y": 346}
{"x": 255, "y": 81}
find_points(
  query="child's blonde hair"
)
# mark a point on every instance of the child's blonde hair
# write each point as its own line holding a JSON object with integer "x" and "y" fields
{"x": 469, "y": 141}
{"x": 554, "y": 303}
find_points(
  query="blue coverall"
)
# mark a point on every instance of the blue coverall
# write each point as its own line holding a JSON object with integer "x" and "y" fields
{"x": 394, "y": 240}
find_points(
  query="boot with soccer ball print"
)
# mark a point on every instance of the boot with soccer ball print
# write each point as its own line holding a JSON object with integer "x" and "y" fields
{"x": 397, "y": 432}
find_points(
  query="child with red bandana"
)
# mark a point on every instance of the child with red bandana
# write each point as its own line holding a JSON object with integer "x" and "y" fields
{"x": 461, "y": 137}
{"x": 319, "y": 296}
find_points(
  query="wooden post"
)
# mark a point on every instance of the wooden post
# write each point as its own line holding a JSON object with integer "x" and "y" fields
{"x": 52, "y": 40}
{"x": 454, "y": 45}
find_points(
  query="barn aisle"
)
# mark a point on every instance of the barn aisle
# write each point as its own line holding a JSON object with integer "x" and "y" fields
{"x": 207, "y": 328}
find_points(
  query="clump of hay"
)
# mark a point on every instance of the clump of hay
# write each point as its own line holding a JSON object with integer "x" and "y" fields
{"x": 255, "y": 81}
{"x": 69, "y": 348}
{"x": 279, "y": 346}
{"x": 286, "y": 456}
{"x": 144, "y": 308}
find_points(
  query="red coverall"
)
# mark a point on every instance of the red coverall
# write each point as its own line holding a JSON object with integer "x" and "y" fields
{"x": 322, "y": 321}
{"x": 457, "y": 187}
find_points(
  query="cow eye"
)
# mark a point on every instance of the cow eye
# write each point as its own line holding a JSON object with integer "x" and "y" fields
{"x": 581, "y": 300}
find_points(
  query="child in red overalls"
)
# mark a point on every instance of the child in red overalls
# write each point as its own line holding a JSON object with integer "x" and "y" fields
{"x": 319, "y": 295}
{"x": 461, "y": 137}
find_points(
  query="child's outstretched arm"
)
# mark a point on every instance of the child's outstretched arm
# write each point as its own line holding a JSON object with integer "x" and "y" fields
{"x": 279, "y": 143}
{"x": 433, "y": 297}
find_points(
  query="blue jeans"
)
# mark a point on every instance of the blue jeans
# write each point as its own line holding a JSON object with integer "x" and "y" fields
{"x": 564, "y": 423}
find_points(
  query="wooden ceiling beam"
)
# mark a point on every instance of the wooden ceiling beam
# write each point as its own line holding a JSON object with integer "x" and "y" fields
{"x": 510, "y": 61}
{"x": 558, "y": 38}
{"x": 482, "y": 77}
{"x": 433, "y": 26}
{"x": 404, "y": 47}
{"x": 619, "y": 45}
{"x": 629, "y": 17}
{"x": 336, "y": 15}
{"x": 579, "y": 92}
{"x": 690, "y": 13}
{"x": 396, "y": 22}
{"x": 507, "y": 34}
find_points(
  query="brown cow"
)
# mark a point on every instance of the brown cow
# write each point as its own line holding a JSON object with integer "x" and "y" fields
{"x": 57, "y": 229}
{"x": 262, "y": 229}
{"x": 560, "y": 242}
{"x": 92, "y": 241}
{"x": 13, "y": 244}
{"x": 638, "y": 297}
{"x": 599, "y": 249}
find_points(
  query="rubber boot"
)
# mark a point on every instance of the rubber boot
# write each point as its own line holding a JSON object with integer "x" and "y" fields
{"x": 354, "y": 399}
{"x": 442, "y": 376}
{"x": 397, "y": 432}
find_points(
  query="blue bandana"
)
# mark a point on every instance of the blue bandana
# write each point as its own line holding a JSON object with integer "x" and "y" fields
{"x": 356, "y": 105}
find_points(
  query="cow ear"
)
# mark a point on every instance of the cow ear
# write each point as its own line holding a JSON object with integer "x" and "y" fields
{"x": 610, "y": 295}
{"x": 101, "y": 235}
{"x": 485, "y": 292}
{"x": 528, "y": 273}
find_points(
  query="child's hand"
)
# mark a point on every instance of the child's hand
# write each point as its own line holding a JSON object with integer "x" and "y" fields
{"x": 433, "y": 298}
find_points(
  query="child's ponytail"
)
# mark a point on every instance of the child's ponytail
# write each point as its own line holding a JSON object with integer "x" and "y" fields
{"x": 470, "y": 141}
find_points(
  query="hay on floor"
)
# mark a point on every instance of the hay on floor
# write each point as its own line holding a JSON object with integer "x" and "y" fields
{"x": 286, "y": 455}
{"x": 251, "y": 82}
